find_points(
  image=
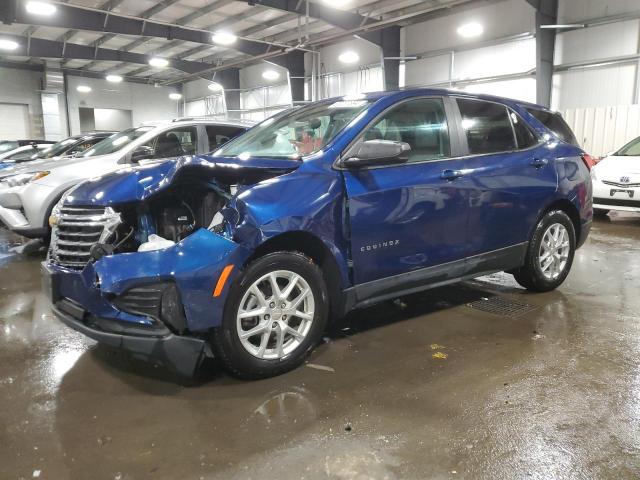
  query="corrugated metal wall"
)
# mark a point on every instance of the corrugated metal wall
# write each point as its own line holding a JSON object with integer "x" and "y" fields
{"x": 601, "y": 130}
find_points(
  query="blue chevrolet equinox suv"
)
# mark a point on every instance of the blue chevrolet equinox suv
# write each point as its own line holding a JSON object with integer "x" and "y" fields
{"x": 247, "y": 253}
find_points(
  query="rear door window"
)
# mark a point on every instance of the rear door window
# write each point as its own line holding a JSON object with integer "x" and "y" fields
{"x": 555, "y": 123}
{"x": 524, "y": 136}
{"x": 487, "y": 127}
{"x": 220, "y": 134}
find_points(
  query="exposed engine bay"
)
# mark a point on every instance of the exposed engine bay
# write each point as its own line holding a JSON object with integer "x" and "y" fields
{"x": 154, "y": 207}
{"x": 167, "y": 218}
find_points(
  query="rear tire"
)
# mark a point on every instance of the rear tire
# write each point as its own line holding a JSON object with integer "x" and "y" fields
{"x": 550, "y": 253}
{"x": 267, "y": 330}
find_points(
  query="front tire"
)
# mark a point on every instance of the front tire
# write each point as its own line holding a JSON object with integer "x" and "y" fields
{"x": 274, "y": 316}
{"x": 550, "y": 253}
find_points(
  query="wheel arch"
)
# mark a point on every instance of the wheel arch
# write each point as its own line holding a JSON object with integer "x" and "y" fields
{"x": 316, "y": 249}
{"x": 572, "y": 212}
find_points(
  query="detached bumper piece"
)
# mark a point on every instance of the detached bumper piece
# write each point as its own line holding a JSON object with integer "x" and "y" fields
{"x": 179, "y": 353}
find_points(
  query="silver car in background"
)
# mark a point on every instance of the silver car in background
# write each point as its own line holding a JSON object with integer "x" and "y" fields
{"x": 28, "y": 194}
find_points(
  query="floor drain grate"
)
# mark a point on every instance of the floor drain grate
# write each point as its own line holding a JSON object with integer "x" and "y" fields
{"x": 502, "y": 306}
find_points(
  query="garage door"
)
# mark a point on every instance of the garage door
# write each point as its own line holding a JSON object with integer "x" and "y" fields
{"x": 14, "y": 121}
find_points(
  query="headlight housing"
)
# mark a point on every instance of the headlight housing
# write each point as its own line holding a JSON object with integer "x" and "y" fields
{"x": 24, "y": 178}
{"x": 55, "y": 211}
{"x": 594, "y": 175}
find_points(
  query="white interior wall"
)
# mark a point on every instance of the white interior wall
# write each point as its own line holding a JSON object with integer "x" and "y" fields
{"x": 369, "y": 54}
{"x": 601, "y": 130}
{"x": 500, "y": 19}
{"x": 22, "y": 87}
{"x": 603, "y": 85}
{"x": 146, "y": 102}
{"x": 447, "y": 58}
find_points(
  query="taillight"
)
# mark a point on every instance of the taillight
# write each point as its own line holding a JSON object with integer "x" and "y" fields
{"x": 588, "y": 160}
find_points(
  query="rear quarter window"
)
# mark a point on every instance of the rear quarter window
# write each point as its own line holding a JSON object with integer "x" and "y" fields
{"x": 554, "y": 122}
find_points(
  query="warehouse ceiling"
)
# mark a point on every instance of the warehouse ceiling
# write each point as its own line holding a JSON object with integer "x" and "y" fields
{"x": 271, "y": 26}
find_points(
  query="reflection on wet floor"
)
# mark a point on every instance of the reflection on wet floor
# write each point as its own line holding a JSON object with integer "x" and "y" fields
{"x": 548, "y": 392}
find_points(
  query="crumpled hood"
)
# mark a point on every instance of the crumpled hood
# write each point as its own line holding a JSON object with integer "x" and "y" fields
{"x": 140, "y": 182}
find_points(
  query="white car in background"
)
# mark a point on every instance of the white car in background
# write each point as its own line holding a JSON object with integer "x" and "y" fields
{"x": 24, "y": 152}
{"x": 27, "y": 195}
{"x": 616, "y": 180}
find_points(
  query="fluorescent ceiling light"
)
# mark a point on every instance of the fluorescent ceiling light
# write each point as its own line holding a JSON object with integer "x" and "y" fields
{"x": 223, "y": 38}
{"x": 470, "y": 30}
{"x": 114, "y": 78}
{"x": 175, "y": 96}
{"x": 40, "y": 8}
{"x": 83, "y": 88}
{"x": 270, "y": 75}
{"x": 337, "y": 3}
{"x": 215, "y": 87}
{"x": 562, "y": 26}
{"x": 158, "y": 62}
{"x": 8, "y": 44}
{"x": 349, "y": 57}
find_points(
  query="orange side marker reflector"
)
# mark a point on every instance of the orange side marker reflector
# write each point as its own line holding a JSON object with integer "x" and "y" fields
{"x": 222, "y": 280}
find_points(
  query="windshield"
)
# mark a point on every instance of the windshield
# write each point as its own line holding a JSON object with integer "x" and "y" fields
{"x": 297, "y": 134}
{"x": 56, "y": 149}
{"x": 6, "y": 146}
{"x": 117, "y": 141}
{"x": 631, "y": 149}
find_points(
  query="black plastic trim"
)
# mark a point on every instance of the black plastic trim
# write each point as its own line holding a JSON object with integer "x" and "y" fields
{"x": 503, "y": 259}
{"x": 181, "y": 354}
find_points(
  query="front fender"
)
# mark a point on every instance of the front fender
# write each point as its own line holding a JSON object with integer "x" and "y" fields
{"x": 309, "y": 200}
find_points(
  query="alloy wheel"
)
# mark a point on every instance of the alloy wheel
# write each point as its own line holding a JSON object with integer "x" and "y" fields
{"x": 554, "y": 251}
{"x": 275, "y": 315}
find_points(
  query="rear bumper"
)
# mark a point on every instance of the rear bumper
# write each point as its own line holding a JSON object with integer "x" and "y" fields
{"x": 179, "y": 353}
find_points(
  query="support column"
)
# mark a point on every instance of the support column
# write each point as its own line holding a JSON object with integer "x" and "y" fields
{"x": 230, "y": 80}
{"x": 546, "y": 14}
{"x": 294, "y": 62}
{"x": 390, "y": 47}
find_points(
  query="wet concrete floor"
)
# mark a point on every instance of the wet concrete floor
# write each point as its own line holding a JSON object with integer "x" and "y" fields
{"x": 547, "y": 389}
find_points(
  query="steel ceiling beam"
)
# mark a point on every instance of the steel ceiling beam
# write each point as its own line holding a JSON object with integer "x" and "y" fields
{"x": 107, "y": 6}
{"x": 37, "y": 47}
{"x": 338, "y": 18}
{"x": 73, "y": 17}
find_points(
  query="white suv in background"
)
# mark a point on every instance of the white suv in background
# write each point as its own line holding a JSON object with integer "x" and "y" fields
{"x": 616, "y": 180}
{"x": 29, "y": 194}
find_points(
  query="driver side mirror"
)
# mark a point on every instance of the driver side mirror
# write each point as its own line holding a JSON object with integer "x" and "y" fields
{"x": 143, "y": 152}
{"x": 377, "y": 152}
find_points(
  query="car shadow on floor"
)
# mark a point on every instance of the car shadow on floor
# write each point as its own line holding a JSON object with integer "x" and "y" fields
{"x": 131, "y": 368}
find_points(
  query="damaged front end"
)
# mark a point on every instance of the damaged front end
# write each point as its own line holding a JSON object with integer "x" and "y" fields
{"x": 136, "y": 257}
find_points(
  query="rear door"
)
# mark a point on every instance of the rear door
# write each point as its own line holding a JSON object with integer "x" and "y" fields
{"x": 405, "y": 218}
{"x": 512, "y": 176}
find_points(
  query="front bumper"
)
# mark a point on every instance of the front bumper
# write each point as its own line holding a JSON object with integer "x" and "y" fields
{"x": 12, "y": 215}
{"x": 94, "y": 300}
{"x": 179, "y": 353}
{"x": 615, "y": 197}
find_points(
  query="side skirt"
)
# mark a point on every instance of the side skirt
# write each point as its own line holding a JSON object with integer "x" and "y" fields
{"x": 369, "y": 293}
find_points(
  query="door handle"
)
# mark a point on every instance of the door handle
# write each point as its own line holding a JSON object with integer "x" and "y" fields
{"x": 451, "y": 175}
{"x": 539, "y": 162}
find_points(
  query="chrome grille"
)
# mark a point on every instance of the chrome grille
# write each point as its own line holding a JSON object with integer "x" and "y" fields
{"x": 77, "y": 229}
{"x": 621, "y": 185}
